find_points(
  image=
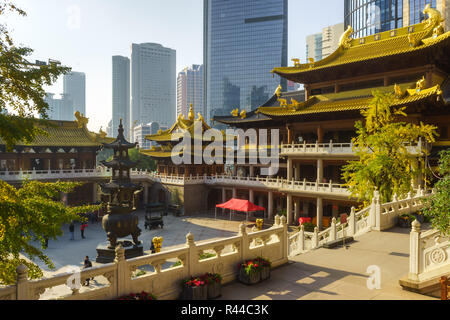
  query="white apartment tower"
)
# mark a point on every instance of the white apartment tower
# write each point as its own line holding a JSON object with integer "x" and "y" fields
{"x": 153, "y": 88}
{"x": 321, "y": 45}
{"x": 120, "y": 94}
{"x": 74, "y": 86}
{"x": 190, "y": 90}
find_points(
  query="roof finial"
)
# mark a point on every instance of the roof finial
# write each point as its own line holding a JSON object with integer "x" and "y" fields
{"x": 191, "y": 115}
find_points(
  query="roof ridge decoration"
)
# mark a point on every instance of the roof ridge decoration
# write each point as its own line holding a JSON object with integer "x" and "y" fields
{"x": 432, "y": 27}
{"x": 82, "y": 121}
{"x": 345, "y": 41}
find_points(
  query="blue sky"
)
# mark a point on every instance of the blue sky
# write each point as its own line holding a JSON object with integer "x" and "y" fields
{"x": 85, "y": 34}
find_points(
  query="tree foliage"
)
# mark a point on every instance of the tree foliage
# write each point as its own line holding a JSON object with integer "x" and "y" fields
{"x": 32, "y": 213}
{"x": 438, "y": 205}
{"x": 381, "y": 144}
{"x": 143, "y": 162}
{"x": 21, "y": 86}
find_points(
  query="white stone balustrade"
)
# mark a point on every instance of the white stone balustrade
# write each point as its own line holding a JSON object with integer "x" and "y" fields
{"x": 374, "y": 217}
{"x": 331, "y": 149}
{"x": 429, "y": 254}
{"x": 164, "y": 283}
{"x": 16, "y": 176}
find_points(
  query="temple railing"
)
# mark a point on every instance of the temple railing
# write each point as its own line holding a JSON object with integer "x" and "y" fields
{"x": 163, "y": 276}
{"x": 374, "y": 217}
{"x": 429, "y": 254}
{"x": 13, "y": 176}
{"x": 331, "y": 148}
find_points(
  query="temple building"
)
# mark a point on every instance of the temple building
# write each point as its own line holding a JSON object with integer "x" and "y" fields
{"x": 67, "y": 147}
{"x": 316, "y": 130}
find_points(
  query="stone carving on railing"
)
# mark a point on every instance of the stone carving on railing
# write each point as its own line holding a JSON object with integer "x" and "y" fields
{"x": 374, "y": 217}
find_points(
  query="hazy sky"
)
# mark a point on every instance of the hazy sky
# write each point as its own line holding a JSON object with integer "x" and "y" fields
{"x": 85, "y": 34}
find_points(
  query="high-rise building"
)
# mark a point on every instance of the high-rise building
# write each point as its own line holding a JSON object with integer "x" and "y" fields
{"x": 368, "y": 17}
{"x": 190, "y": 90}
{"x": 109, "y": 130}
{"x": 330, "y": 38}
{"x": 321, "y": 45}
{"x": 60, "y": 108}
{"x": 243, "y": 40}
{"x": 153, "y": 84}
{"x": 142, "y": 130}
{"x": 74, "y": 85}
{"x": 314, "y": 46}
{"x": 121, "y": 93}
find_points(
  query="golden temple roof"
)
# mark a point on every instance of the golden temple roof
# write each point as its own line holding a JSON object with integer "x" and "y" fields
{"x": 66, "y": 134}
{"x": 350, "y": 100}
{"x": 180, "y": 127}
{"x": 389, "y": 43}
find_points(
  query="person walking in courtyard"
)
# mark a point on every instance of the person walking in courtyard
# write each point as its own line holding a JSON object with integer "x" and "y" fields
{"x": 87, "y": 264}
{"x": 72, "y": 231}
{"x": 82, "y": 227}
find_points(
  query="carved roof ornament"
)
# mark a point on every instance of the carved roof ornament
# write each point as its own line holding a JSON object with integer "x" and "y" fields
{"x": 420, "y": 85}
{"x": 346, "y": 38}
{"x": 191, "y": 115}
{"x": 81, "y": 120}
{"x": 432, "y": 24}
{"x": 398, "y": 91}
{"x": 199, "y": 117}
{"x": 434, "y": 17}
{"x": 311, "y": 62}
{"x": 283, "y": 102}
{"x": 296, "y": 62}
{"x": 243, "y": 114}
{"x": 278, "y": 90}
{"x": 235, "y": 112}
{"x": 102, "y": 133}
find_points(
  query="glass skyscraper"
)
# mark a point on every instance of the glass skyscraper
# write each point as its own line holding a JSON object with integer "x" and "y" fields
{"x": 243, "y": 42}
{"x": 368, "y": 17}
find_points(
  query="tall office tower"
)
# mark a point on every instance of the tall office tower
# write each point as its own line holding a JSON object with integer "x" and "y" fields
{"x": 59, "y": 108}
{"x": 109, "y": 130}
{"x": 321, "y": 45}
{"x": 314, "y": 46}
{"x": 190, "y": 90}
{"x": 243, "y": 41}
{"x": 153, "y": 85}
{"x": 330, "y": 38}
{"x": 368, "y": 17}
{"x": 121, "y": 94}
{"x": 74, "y": 85}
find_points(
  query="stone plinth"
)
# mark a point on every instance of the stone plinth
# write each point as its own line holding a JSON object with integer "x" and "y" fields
{"x": 107, "y": 255}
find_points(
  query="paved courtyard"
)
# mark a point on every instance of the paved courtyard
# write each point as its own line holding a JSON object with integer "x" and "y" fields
{"x": 326, "y": 274}
{"x": 64, "y": 252}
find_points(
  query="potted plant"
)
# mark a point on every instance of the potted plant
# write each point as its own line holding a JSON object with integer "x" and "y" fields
{"x": 405, "y": 220}
{"x": 213, "y": 284}
{"x": 309, "y": 226}
{"x": 249, "y": 272}
{"x": 264, "y": 265}
{"x": 194, "y": 289}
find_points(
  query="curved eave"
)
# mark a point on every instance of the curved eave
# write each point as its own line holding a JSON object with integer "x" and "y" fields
{"x": 348, "y": 104}
{"x": 361, "y": 54}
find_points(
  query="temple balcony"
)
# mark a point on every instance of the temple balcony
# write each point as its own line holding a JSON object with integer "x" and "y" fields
{"x": 330, "y": 150}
